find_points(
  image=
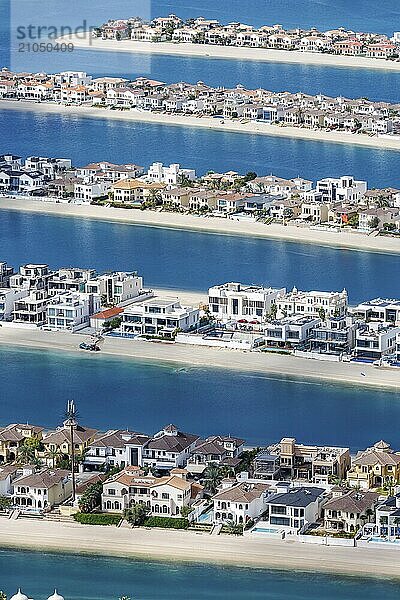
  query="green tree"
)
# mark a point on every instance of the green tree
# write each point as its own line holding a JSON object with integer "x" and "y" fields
{"x": 53, "y": 455}
{"x": 91, "y": 497}
{"x": 322, "y": 313}
{"x": 26, "y": 453}
{"x": 5, "y": 503}
{"x": 137, "y": 514}
{"x": 113, "y": 324}
{"x": 185, "y": 511}
{"x": 374, "y": 223}
{"x": 234, "y": 528}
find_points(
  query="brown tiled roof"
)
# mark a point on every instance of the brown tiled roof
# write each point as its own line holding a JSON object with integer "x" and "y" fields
{"x": 354, "y": 501}
{"x": 44, "y": 479}
{"x": 242, "y": 492}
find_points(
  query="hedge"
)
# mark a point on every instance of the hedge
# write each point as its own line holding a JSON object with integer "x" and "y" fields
{"x": 97, "y": 519}
{"x": 167, "y": 522}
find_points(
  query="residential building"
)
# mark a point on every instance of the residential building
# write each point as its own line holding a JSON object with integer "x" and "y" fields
{"x": 5, "y": 273}
{"x": 31, "y": 309}
{"x": 375, "y": 467}
{"x": 58, "y": 442}
{"x": 214, "y": 450}
{"x": 290, "y": 331}
{"x": 13, "y": 436}
{"x": 314, "y": 303}
{"x": 116, "y": 287}
{"x": 69, "y": 280}
{"x": 158, "y": 316}
{"x": 71, "y": 310}
{"x": 347, "y": 511}
{"x": 98, "y": 320}
{"x": 32, "y": 277}
{"x": 8, "y": 296}
{"x": 240, "y": 502}
{"x": 343, "y": 189}
{"x": 380, "y": 310}
{"x": 334, "y": 335}
{"x": 387, "y": 517}
{"x": 316, "y": 464}
{"x": 7, "y": 475}
{"x": 164, "y": 496}
{"x": 116, "y": 448}
{"x": 374, "y": 340}
{"x": 242, "y": 302}
{"x": 295, "y": 508}
{"x": 169, "y": 448}
{"x": 135, "y": 190}
{"x": 86, "y": 191}
{"x": 41, "y": 490}
{"x": 171, "y": 175}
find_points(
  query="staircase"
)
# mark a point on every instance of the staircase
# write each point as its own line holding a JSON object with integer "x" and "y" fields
{"x": 14, "y": 514}
{"x": 216, "y": 529}
{"x": 55, "y": 515}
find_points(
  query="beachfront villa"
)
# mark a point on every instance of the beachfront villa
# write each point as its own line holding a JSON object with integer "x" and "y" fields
{"x": 158, "y": 316}
{"x": 240, "y": 502}
{"x": 41, "y": 490}
{"x": 12, "y": 438}
{"x": 290, "y": 509}
{"x": 347, "y": 511}
{"x": 116, "y": 448}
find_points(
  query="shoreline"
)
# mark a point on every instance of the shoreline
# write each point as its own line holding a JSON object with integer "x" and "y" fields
{"x": 178, "y": 120}
{"x": 211, "y": 225}
{"x": 268, "y": 364}
{"x": 196, "y": 548}
{"x": 231, "y": 52}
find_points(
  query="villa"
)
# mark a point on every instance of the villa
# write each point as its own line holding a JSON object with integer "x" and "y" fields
{"x": 290, "y": 509}
{"x": 375, "y": 467}
{"x": 158, "y": 316}
{"x": 13, "y": 436}
{"x": 41, "y": 489}
{"x": 242, "y": 302}
{"x": 169, "y": 448}
{"x": 116, "y": 448}
{"x": 240, "y": 502}
{"x": 347, "y": 511}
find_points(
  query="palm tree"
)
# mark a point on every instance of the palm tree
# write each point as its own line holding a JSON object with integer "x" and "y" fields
{"x": 213, "y": 477}
{"x": 396, "y": 522}
{"x": 26, "y": 454}
{"x": 53, "y": 455}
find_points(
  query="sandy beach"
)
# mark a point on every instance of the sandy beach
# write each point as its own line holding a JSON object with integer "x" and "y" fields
{"x": 215, "y": 225}
{"x": 234, "y": 126}
{"x": 267, "y": 364}
{"x": 193, "y": 547}
{"x": 232, "y": 52}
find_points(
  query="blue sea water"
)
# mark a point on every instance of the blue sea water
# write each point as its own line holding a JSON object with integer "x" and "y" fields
{"x": 207, "y": 259}
{"x": 95, "y": 578}
{"x": 123, "y": 393}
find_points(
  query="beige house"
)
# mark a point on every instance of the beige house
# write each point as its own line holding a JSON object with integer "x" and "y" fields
{"x": 13, "y": 436}
{"x": 41, "y": 490}
{"x": 375, "y": 467}
{"x": 59, "y": 442}
{"x": 165, "y": 496}
{"x": 347, "y": 511}
{"x": 134, "y": 190}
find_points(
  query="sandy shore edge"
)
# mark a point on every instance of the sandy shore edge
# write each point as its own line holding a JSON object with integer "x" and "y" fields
{"x": 231, "y": 52}
{"x": 211, "y": 225}
{"x": 177, "y": 120}
{"x": 188, "y": 356}
{"x": 190, "y": 547}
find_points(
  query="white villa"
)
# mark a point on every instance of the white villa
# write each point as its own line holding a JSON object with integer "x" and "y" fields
{"x": 237, "y": 301}
{"x": 71, "y": 310}
{"x": 171, "y": 175}
{"x": 240, "y": 502}
{"x": 158, "y": 316}
{"x": 312, "y": 304}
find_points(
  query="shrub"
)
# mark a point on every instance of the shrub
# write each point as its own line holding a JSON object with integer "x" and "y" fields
{"x": 97, "y": 519}
{"x": 167, "y": 522}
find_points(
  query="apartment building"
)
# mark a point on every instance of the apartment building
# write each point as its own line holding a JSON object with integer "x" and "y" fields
{"x": 242, "y": 302}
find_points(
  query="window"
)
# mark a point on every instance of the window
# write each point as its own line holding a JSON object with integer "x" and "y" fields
{"x": 111, "y": 492}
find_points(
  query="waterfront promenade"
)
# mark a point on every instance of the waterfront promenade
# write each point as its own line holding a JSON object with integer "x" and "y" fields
{"x": 231, "y": 52}
{"x": 385, "y": 142}
{"x": 174, "y": 220}
{"x": 199, "y": 356}
{"x": 184, "y": 546}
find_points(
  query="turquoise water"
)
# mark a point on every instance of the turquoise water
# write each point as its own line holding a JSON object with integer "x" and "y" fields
{"x": 95, "y": 578}
{"x": 119, "y": 393}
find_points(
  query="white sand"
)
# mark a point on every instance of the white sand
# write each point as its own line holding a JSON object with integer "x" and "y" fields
{"x": 251, "y": 127}
{"x": 355, "y": 241}
{"x": 185, "y": 546}
{"x": 199, "y": 356}
{"x": 232, "y": 52}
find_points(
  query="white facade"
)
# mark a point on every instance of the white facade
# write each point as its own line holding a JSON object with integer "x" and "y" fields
{"x": 236, "y": 301}
{"x": 116, "y": 287}
{"x": 344, "y": 189}
{"x": 292, "y": 509}
{"x": 86, "y": 192}
{"x": 116, "y": 448}
{"x": 296, "y": 302}
{"x": 158, "y": 316}
{"x": 290, "y": 330}
{"x": 71, "y": 310}
{"x": 376, "y": 340}
{"x": 240, "y": 502}
{"x": 171, "y": 175}
{"x": 7, "y": 298}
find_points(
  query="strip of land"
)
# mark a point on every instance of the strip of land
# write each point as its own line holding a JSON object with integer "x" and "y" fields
{"x": 231, "y": 52}
{"x": 269, "y": 364}
{"x": 234, "y": 126}
{"x": 172, "y": 220}
{"x": 196, "y": 548}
